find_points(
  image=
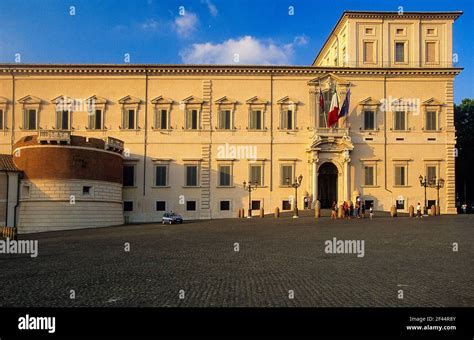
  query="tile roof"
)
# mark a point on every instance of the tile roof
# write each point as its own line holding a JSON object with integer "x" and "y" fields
{"x": 6, "y": 163}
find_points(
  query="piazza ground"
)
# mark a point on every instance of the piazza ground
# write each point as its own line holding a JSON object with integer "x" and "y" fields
{"x": 276, "y": 256}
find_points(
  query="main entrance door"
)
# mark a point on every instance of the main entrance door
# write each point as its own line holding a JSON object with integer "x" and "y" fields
{"x": 327, "y": 184}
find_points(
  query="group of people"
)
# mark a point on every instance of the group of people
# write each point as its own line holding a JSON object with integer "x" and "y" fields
{"x": 349, "y": 210}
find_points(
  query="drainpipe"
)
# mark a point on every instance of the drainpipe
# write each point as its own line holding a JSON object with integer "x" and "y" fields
{"x": 271, "y": 132}
{"x": 13, "y": 110}
{"x": 146, "y": 132}
{"x": 6, "y": 207}
{"x": 385, "y": 135}
{"x": 20, "y": 175}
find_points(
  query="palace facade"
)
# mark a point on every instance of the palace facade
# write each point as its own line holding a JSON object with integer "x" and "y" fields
{"x": 188, "y": 136}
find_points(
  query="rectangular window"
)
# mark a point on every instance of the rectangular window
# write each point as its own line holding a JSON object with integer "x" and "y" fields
{"x": 190, "y": 205}
{"x": 400, "y": 121}
{"x": 368, "y": 52}
{"x": 286, "y": 175}
{"x": 255, "y": 205}
{"x": 29, "y": 119}
{"x": 430, "y": 52}
{"x": 369, "y": 30}
{"x": 399, "y": 52}
{"x": 192, "y": 119}
{"x": 127, "y": 206}
{"x": 62, "y": 120}
{"x": 86, "y": 190}
{"x": 1, "y": 120}
{"x": 161, "y": 121}
{"x": 160, "y": 205}
{"x": 224, "y": 205}
{"x": 369, "y": 120}
{"x": 431, "y": 172}
{"x": 191, "y": 175}
{"x": 25, "y": 191}
{"x": 256, "y": 174}
{"x": 285, "y": 205}
{"x": 287, "y": 120}
{"x": 224, "y": 175}
{"x": 128, "y": 175}
{"x": 369, "y": 177}
{"x": 256, "y": 120}
{"x": 161, "y": 172}
{"x": 225, "y": 120}
{"x": 95, "y": 120}
{"x": 430, "y": 121}
{"x": 400, "y": 204}
{"x": 129, "y": 119}
{"x": 400, "y": 173}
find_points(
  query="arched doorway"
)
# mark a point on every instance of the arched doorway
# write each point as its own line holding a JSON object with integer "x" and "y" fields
{"x": 327, "y": 184}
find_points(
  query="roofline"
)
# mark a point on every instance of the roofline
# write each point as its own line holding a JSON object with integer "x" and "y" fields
{"x": 18, "y": 68}
{"x": 345, "y": 14}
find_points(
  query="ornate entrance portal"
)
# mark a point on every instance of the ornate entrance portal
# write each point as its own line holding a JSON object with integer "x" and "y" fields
{"x": 327, "y": 184}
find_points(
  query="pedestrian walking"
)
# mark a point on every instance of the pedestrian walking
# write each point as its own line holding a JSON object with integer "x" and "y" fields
{"x": 418, "y": 210}
{"x": 363, "y": 209}
{"x": 351, "y": 210}
{"x": 334, "y": 210}
{"x": 371, "y": 211}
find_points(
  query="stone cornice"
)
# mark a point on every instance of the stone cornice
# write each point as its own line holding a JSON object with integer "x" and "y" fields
{"x": 159, "y": 69}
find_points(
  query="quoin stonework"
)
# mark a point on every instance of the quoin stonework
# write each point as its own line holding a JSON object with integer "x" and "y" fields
{"x": 130, "y": 142}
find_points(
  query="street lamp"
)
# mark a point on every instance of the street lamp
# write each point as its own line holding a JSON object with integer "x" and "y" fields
{"x": 250, "y": 187}
{"x": 437, "y": 184}
{"x": 424, "y": 183}
{"x": 296, "y": 184}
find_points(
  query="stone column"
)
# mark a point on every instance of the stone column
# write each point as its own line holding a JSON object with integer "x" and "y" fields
{"x": 346, "y": 175}
{"x": 315, "y": 181}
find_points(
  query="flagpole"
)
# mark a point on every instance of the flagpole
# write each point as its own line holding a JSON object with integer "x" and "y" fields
{"x": 319, "y": 103}
{"x": 347, "y": 115}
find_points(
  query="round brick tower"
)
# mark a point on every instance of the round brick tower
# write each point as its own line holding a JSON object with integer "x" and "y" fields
{"x": 69, "y": 182}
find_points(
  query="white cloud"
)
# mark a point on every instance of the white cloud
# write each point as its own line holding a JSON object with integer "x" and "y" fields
{"x": 301, "y": 40}
{"x": 247, "y": 49}
{"x": 150, "y": 25}
{"x": 212, "y": 8}
{"x": 186, "y": 24}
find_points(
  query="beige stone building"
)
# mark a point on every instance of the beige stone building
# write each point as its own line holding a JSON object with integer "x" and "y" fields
{"x": 193, "y": 134}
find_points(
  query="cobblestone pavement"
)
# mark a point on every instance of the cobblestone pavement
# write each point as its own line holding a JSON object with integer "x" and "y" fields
{"x": 275, "y": 256}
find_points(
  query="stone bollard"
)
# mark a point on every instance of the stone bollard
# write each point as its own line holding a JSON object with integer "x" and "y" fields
{"x": 262, "y": 213}
{"x": 317, "y": 212}
{"x": 240, "y": 213}
{"x": 433, "y": 210}
{"x": 317, "y": 209}
{"x": 438, "y": 210}
{"x": 393, "y": 211}
{"x": 277, "y": 212}
{"x": 340, "y": 211}
{"x": 411, "y": 211}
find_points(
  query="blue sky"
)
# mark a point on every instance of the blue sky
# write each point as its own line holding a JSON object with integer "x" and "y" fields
{"x": 211, "y": 31}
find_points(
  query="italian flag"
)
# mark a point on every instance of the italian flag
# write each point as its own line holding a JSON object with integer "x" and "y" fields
{"x": 334, "y": 111}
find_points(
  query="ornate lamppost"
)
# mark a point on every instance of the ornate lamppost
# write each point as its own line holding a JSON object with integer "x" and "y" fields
{"x": 296, "y": 184}
{"x": 424, "y": 183}
{"x": 250, "y": 187}
{"x": 437, "y": 183}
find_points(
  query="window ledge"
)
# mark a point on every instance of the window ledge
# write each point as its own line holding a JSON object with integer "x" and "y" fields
{"x": 225, "y": 186}
{"x": 123, "y": 129}
{"x": 370, "y": 186}
{"x": 192, "y": 186}
{"x": 402, "y": 186}
{"x": 226, "y": 130}
{"x": 130, "y": 186}
{"x": 160, "y": 186}
{"x": 432, "y": 131}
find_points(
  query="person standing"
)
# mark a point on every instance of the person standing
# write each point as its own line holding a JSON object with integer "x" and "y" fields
{"x": 418, "y": 210}
{"x": 334, "y": 210}
{"x": 371, "y": 211}
{"x": 363, "y": 209}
